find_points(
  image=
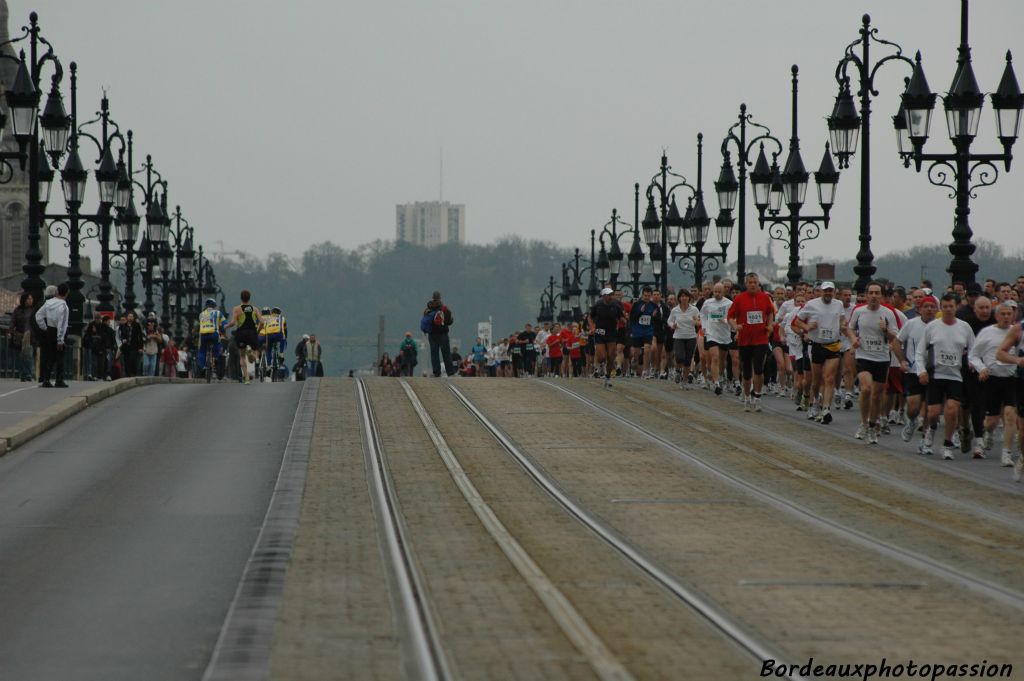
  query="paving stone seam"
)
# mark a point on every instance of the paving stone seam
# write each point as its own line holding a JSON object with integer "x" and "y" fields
{"x": 714, "y": 615}
{"x": 568, "y": 618}
{"x": 425, "y": 656}
{"x": 1004, "y": 595}
{"x": 243, "y": 648}
{"x": 893, "y": 481}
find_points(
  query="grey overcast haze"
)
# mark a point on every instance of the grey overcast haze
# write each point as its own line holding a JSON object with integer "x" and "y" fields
{"x": 283, "y": 124}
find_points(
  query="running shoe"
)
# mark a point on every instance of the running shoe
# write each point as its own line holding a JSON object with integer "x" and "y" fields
{"x": 862, "y": 432}
{"x": 986, "y": 440}
{"x": 1006, "y": 460}
{"x": 956, "y": 438}
{"x": 979, "y": 449}
{"x": 947, "y": 453}
{"x": 746, "y": 403}
{"x": 926, "y": 442}
{"x": 826, "y": 416}
{"x": 757, "y": 404}
{"x": 812, "y": 413}
{"x": 847, "y": 401}
{"x": 739, "y": 389}
{"x": 718, "y": 389}
{"x": 873, "y": 433}
{"x": 884, "y": 429}
{"x": 1018, "y": 469}
{"x": 837, "y": 399}
{"x": 901, "y": 418}
{"x": 908, "y": 431}
{"x": 664, "y": 375}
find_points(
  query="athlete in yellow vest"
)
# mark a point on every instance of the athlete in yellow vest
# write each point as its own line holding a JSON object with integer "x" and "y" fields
{"x": 211, "y": 326}
{"x": 275, "y": 330}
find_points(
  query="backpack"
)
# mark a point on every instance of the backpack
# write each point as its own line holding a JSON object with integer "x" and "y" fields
{"x": 439, "y": 317}
{"x": 426, "y": 322}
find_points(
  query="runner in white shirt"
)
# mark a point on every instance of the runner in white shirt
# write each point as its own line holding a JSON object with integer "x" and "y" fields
{"x": 717, "y": 332}
{"x": 1012, "y": 352}
{"x": 847, "y": 361}
{"x": 822, "y": 318}
{"x": 999, "y": 381}
{"x": 797, "y": 360}
{"x": 910, "y": 338}
{"x": 542, "y": 348}
{"x": 684, "y": 320}
{"x": 872, "y": 329}
{"x": 940, "y": 359}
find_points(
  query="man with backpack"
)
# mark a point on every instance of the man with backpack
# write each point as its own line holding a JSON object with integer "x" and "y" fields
{"x": 435, "y": 322}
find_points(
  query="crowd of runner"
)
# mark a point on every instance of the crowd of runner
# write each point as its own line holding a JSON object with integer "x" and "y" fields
{"x": 908, "y": 362}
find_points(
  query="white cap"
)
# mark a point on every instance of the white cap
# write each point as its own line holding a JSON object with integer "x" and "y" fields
{"x": 606, "y": 291}
{"x": 827, "y": 284}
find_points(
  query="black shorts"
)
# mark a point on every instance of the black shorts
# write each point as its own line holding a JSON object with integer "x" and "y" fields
{"x": 640, "y": 341}
{"x": 247, "y": 337}
{"x": 801, "y": 365}
{"x": 1000, "y": 392}
{"x": 820, "y": 354}
{"x": 684, "y": 350}
{"x": 912, "y": 386}
{"x": 942, "y": 389}
{"x": 752, "y": 360}
{"x": 879, "y": 370}
{"x": 605, "y": 336}
{"x": 669, "y": 342}
{"x": 622, "y": 336}
{"x": 708, "y": 344}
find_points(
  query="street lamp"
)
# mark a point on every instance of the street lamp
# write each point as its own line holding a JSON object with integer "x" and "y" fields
{"x": 729, "y": 189}
{"x": 966, "y": 170}
{"x": 790, "y": 186}
{"x": 547, "y": 302}
{"x": 847, "y": 127}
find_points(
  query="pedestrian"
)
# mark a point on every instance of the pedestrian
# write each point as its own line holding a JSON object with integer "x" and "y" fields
{"x": 384, "y": 365}
{"x": 184, "y": 355}
{"x": 151, "y": 349}
{"x": 94, "y": 345}
{"x": 407, "y": 352}
{"x": 313, "y": 357}
{"x": 130, "y": 341}
{"x": 52, "y": 319}
{"x": 169, "y": 359}
{"x": 437, "y": 319}
{"x": 22, "y": 338}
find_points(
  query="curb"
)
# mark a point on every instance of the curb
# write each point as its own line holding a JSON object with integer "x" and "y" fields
{"x": 20, "y": 433}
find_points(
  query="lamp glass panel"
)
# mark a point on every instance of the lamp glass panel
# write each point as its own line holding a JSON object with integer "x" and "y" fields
{"x": 108, "y": 191}
{"x": 56, "y": 139}
{"x": 903, "y": 142}
{"x": 727, "y": 199}
{"x": 22, "y": 119}
{"x": 827, "y": 193}
{"x": 616, "y": 267}
{"x": 963, "y": 122}
{"x": 725, "y": 235}
{"x": 795, "y": 192}
{"x": 775, "y": 200}
{"x": 1008, "y": 122}
{"x": 44, "y": 190}
{"x": 919, "y": 122}
{"x": 761, "y": 190}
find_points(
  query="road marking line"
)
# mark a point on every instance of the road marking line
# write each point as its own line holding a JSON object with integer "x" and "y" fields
{"x": 31, "y": 387}
{"x": 568, "y": 618}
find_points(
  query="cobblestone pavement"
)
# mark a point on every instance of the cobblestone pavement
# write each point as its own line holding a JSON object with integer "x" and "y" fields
{"x": 804, "y": 589}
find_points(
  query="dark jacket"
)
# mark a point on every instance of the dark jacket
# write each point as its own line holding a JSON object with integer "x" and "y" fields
{"x": 21, "y": 321}
{"x": 439, "y": 329}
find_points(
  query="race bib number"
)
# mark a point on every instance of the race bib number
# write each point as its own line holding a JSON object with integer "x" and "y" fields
{"x": 575, "y": 346}
{"x": 645, "y": 320}
{"x": 949, "y": 359}
{"x": 826, "y": 333}
{"x": 600, "y": 332}
{"x": 755, "y": 317}
{"x": 716, "y": 316}
{"x": 516, "y": 351}
{"x": 873, "y": 344}
{"x": 529, "y": 347}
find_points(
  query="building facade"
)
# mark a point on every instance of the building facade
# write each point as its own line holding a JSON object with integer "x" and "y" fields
{"x": 13, "y": 181}
{"x": 430, "y": 223}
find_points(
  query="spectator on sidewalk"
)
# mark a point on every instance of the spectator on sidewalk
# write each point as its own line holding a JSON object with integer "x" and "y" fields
{"x": 169, "y": 359}
{"x": 151, "y": 348}
{"x": 440, "y": 345}
{"x": 94, "y": 343}
{"x": 313, "y": 357}
{"x": 130, "y": 341}
{"x": 52, "y": 319}
{"x": 22, "y": 338}
{"x": 407, "y": 355}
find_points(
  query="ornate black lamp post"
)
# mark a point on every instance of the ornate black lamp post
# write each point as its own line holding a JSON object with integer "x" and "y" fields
{"x": 609, "y": 261}
{"x": 575, "y": 292}
{"x": 564, "y": 298}
{"x": 693, "y": 227}
{"x": 182, "y": 266}
{"x": 547, "y": 302}
{"x": 846, "y": 127}
{"x": 729, "y": 189}
{"x": 962, "y": 172}
{"x": 23, "y": 102}
{"x": 791, "y": 187}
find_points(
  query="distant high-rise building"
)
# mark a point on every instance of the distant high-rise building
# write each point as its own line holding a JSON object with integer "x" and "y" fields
{"x": 430, "y": 223}
{"x": 13, "y": 192}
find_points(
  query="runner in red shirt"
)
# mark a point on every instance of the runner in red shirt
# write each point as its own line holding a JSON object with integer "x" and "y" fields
{"x": 554, "y": 343}
{"x": 567, "y": 336}
{"x": 751, "y": 315}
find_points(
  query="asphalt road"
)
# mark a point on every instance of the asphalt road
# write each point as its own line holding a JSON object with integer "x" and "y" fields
{"x": 125, "y": 530}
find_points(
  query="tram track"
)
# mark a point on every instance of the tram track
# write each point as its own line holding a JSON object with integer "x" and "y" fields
{"x": 1003, "y": 594}
{"x": 425, "y": 656}
{"x": 713, "y": 616}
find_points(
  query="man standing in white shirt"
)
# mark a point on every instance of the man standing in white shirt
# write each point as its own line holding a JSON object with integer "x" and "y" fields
{"x": 52, "y": 318}
{"x": 940, "y": 360}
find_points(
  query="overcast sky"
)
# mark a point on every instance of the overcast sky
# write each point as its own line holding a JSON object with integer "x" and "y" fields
{"x": 283, "y": 124}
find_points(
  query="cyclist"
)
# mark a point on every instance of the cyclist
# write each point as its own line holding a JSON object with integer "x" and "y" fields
{"x": 275, "y": 333}
{"x": 211, "y": 328}
{"x": 246, "y": 320}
